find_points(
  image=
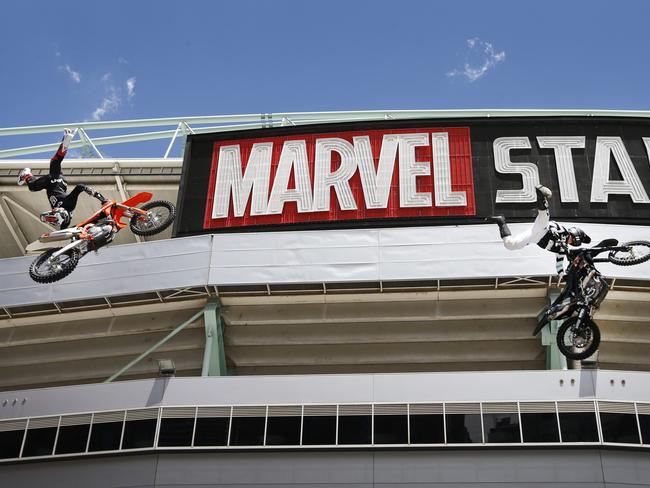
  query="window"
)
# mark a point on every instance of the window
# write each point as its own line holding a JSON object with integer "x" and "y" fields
{"x": 73, "y": 434}
{"x": 248, "y": 426}
{"x": 212, "y": 426}
{"x": 355, "y": 423}
{"x": 319, "y": 425}
{"x": 39, "y": 440}
{"x": 540, "y": 427}
{"x": 176, "y": 427}
{"x": 140, "y": 428}
{"x": 501, "y": 422}
{"x": 11, "y": 438}
{"x": 105, "y": 437}
{"x": 72, "y": 438}
{"x": 10, "y": 442}
{"x": 463, "y": 421}
{"x": 618, "y": 422}
{"x": 427, "y": 424}
{"x": 578, "y": 422}
{"x": 391, "y": 424}
{"x": 644, "y": 423}
{"x": 283, "y": 426}
{"x": 106, "y": 431}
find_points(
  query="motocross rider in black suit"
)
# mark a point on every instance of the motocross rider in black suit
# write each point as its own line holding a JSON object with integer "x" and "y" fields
{"x": 56, "y": 187}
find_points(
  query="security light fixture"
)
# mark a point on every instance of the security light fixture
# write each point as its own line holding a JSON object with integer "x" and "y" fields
{"x": 166, "y": 367}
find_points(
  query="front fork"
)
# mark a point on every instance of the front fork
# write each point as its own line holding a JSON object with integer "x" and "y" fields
{"x": 582, "y": 315}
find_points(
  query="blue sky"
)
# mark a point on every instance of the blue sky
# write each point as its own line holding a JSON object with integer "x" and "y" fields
{"x": 82, "y": 60}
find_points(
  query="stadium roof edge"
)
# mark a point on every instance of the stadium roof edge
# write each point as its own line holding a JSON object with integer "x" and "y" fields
{"x": 190, "y": 124}
{"x": 324, "y": 117}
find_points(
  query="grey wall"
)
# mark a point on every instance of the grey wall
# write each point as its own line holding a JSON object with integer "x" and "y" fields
{"x": 330, "y": 389}
{"x": 593, "y": 468}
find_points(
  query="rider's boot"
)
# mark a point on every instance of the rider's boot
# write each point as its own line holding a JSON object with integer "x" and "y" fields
{"x": 94, "y": 193}
{"x": 543, "y": 195}
{"x": 500, "y": 220}
{"x": 24, "y": 176}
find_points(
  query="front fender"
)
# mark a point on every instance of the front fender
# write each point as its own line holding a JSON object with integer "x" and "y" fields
{"x": 541, "y": 324}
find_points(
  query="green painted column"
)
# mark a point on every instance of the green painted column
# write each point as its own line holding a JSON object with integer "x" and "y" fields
{"x": 554, "y": 358}
{"x": 214, "y": 356}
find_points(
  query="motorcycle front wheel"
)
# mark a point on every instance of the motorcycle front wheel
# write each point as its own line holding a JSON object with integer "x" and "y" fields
{"x": 46, "y": 269}
{"x": 160, "y": 215}
{"x": 578, "y": 342}
{"x": 637, "y": 252}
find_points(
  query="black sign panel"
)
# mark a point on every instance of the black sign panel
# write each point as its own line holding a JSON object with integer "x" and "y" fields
{"x": 597, "y": 168}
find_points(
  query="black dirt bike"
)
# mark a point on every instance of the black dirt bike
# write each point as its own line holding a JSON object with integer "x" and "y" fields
{"x": 585, "y": 288}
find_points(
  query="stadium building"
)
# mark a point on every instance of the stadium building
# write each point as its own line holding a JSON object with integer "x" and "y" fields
{"x": 330, "y": 307}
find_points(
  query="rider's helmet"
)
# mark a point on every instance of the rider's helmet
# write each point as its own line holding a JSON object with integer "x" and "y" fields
{"x": 577, "y": 236}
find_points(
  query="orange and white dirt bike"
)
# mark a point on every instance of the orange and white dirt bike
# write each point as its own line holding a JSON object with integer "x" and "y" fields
{"x": 97, "y": 231}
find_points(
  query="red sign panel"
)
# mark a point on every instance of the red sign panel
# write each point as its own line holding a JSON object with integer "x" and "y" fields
{"x": 343, "y": 176}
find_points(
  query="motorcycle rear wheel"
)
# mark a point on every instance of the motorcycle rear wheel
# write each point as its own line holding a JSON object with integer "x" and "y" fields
{"x": 160, "y": 215}
{"x": 638, "y": 252}
{"x": 578, "y": 344}
{"x": 45, "y": 269}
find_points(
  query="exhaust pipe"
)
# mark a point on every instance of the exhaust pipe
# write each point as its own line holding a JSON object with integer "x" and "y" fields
{"x": 59, "y": 235}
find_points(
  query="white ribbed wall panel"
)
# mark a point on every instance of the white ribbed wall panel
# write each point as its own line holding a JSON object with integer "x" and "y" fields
{"x": 410, "y": 253}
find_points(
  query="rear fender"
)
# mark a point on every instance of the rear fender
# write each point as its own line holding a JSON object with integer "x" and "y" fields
{"x": 134, "y": 201}
{"x": 141, "y": 197}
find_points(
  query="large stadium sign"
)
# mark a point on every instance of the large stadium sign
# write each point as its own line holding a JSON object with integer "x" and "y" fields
{"x": 414, "y": 172}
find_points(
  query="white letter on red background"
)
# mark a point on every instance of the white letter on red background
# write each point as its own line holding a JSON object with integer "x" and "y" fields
{"x": 376, "y": 183}
{"x": 410, "y": 169}
{"x": 293, "y": 158}
{"x": 325, "y": 178}
{"x": 445, "y": 197}
{"x": 230, "y": 180}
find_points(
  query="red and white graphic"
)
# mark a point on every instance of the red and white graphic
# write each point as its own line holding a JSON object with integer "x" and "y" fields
{"x": 352, "y": 175}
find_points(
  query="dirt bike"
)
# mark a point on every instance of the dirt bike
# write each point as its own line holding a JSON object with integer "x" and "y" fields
{"x": 585, "y": 288}
{"x": 97, "y": 231}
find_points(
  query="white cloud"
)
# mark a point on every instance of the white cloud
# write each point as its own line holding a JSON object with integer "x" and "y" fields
{"x": 130, "y": 87}
{"x": 74, "y": 75}
{"x": 484, "y": 58}
{"x": 109, "y": 104}
{"x": 106, "y": 77}
{"x": 122, "y": 60}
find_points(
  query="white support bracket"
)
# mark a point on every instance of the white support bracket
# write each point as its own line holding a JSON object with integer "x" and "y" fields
{"x": 87, "y": 142}
{"x": 184, "y": 130}
{"x": 122, "y": 191}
